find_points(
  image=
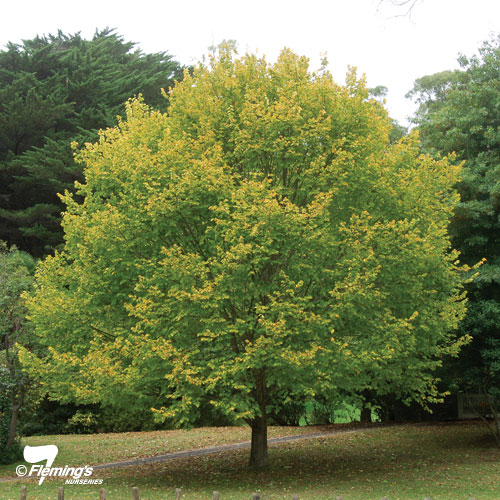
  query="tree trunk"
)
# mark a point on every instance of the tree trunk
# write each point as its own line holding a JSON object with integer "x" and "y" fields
{"x": 366, "y": 415}
{"x": 14, "y": 418}
{"x": 258, "y": 452}
{"x": 13, "y": 425}
{"x": 366, "y": 411}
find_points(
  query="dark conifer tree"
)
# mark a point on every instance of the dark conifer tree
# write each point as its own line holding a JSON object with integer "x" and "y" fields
{"x": 54, "y": 90}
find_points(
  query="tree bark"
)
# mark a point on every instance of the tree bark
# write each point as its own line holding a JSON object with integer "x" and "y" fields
{"x": 366, "y": 411}
{"x": 366, "y": 415}
{"x": 258, "y": 451}
{"x": 14, "y": 418}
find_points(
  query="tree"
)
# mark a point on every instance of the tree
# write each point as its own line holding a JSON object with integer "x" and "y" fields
{"x": 55, "y": 90}
{"x": 459, "y": 112}
{"x": 16, "y": 277}
{"x": 262, "y": 242}
{"x": 403, "y": 7}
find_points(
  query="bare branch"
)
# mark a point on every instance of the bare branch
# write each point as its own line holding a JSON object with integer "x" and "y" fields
{"x": 406, "y": 5}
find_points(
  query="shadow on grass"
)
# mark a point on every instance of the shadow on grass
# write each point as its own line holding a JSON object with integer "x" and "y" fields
{"x": 391, "y": 455}
{"x": 407, "y": 462}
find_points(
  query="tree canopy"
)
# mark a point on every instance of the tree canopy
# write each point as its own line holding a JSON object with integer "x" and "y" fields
{"x": 261, "y": 241}
{"x": 54, "y": 90}
{"x": 460, "y": 112}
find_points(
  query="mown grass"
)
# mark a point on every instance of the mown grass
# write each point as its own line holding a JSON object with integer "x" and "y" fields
{"x": 77, "y": 449}
{"x": 410, "y": 462}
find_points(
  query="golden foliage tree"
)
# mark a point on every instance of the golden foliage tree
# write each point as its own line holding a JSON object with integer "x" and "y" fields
{"x": 263, "y": 241}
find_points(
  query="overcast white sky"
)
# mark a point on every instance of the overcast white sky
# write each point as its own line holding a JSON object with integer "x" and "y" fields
{"x": 391, "y": 51}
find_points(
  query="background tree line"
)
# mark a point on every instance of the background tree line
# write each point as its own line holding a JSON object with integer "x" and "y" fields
{"x": 459, "y": 113}
{"x": 55, "y": 90}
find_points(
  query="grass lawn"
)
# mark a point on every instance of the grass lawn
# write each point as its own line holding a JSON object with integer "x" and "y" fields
{"x": 410, "y": 462}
